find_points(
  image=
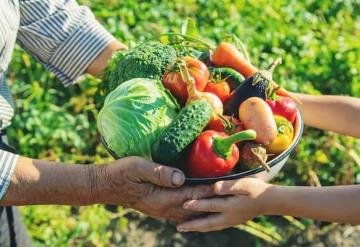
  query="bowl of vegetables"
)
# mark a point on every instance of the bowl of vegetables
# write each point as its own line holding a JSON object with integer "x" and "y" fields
{"x": 204, "y": 109}
{"x": 274, "y": 165}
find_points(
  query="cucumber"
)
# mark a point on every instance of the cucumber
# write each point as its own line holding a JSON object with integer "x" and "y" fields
{"x": 233, "y": 77}
{"x": 183, "y": 130}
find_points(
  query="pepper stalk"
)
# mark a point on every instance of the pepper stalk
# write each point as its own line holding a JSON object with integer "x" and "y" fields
{"x": 224, "y": 146}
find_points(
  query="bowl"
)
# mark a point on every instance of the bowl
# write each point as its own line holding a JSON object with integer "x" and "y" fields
{"x": 275, "y": 164}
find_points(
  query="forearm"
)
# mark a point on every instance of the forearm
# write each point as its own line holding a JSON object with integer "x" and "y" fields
{"x": 99, "y": 64}
{"x": 43, "y": 182}
{"x": 340, "y": 114}
{"x": 334, "y": 204}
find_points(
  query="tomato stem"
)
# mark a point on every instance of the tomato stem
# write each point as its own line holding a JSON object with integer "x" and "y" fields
{"x": 223, "y": 146}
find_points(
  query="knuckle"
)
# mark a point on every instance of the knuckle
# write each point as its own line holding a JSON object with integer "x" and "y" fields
{"x": 160, "y": 174}
{"x": 131, "y": 164}
{"x": 211, "y": 206}
{"x": 199, "y": 192}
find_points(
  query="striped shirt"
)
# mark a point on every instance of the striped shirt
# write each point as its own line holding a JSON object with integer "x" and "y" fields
{"x": 62, "y": 35}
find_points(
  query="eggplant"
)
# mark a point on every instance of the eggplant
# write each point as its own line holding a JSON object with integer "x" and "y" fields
{"x": 259, "y": 85}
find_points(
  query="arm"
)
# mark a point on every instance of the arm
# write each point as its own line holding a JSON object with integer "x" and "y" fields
{"x": 334, "y": 204}
{"x": 249, "y": 197}
{"x": 42, "y": 182}
{"x": 68, "y": 40}
{"x": 132, "y": 182}
{"x": 100, "y": 63}
{"x": 340, "y": 114}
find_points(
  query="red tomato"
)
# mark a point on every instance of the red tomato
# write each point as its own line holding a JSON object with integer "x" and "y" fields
{"x": 233, "y": 125}
{"x": 285, "y": 107}
{"x": 178, "y": 88}
{"x": 220, "y": 89}
{"x": 174, "y": 82}
{"x": 204, "y": 162}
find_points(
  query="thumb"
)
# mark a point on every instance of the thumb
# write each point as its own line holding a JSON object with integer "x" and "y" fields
{"x": 232, "y": 187}
{"x": 160, "y": 175}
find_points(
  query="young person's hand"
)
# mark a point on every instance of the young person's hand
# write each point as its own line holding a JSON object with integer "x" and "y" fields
{"x": 246, "y": 198}
{"x": 240, "y": 201}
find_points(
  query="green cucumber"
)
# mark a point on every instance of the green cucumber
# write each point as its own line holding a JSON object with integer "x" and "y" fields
{"x": 183, "y": 130}
{"x": 233, "y": 77}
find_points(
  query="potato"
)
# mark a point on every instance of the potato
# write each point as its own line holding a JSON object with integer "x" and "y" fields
{"x": 255, "y": 114}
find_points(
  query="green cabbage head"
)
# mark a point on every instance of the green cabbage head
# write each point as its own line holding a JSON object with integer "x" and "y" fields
{"x": 134, "y": 115}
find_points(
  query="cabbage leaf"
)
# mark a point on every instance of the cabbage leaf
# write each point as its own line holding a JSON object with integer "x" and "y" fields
{"x": 134, "y": 115}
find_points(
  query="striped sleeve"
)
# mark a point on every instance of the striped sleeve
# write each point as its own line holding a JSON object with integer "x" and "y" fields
{"x": 62, "y": 35}
{"x": 7, "y": 166}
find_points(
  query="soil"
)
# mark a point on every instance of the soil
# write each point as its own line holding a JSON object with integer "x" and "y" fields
{"x": 143, "y": 231}
{"x": 337, "y": 235}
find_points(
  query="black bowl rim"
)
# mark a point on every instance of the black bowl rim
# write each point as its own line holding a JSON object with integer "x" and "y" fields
{"x": 195, "y": 181}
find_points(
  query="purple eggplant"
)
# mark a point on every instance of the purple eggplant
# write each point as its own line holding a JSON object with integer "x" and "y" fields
{"x": 259, "y": 85}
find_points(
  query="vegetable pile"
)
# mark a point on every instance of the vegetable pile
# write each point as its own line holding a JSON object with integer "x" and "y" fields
{"x": 184, "y": 102}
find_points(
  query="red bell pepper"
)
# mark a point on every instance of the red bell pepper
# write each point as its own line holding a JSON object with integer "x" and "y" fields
{"x": 214, "y": 153}
{"x": 285, "y": 107}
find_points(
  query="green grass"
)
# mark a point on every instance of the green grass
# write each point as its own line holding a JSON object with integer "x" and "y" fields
{"x": 318, "y": 41}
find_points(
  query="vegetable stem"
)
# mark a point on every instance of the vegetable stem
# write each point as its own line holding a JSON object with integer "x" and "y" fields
{"x": 185, "y": 37}
{"x": 223, "y": 146}
{"x": 274, "y": 64}
{"x": 240, "y": 46}
{"x": 188, "y": 79}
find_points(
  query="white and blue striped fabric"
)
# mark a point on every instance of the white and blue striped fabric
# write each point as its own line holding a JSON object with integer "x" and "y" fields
{"x": 62, "y": 35}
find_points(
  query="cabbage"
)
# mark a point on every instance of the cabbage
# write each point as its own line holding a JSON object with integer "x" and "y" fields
{"x": 134, "y": 115}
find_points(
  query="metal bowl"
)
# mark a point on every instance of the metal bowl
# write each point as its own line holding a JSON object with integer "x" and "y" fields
{"x": 275, "y": 164}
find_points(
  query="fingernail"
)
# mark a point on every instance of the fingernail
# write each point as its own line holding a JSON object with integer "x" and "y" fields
{"x": 177, "y": 178}
{"x": 218, "y": 187}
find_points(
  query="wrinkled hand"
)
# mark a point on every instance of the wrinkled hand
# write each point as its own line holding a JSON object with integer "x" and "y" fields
{"x": 241, "y": 200}
{"x": 147, "y": 187}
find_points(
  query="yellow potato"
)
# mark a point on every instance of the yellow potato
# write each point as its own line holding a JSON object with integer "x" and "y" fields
{"x": 255, "y": 114}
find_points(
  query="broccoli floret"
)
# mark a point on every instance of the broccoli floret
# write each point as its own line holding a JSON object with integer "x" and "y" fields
{"x": 149, "y": 60}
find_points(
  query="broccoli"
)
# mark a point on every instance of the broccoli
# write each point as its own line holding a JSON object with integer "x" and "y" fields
{"x": 148, "y": 60}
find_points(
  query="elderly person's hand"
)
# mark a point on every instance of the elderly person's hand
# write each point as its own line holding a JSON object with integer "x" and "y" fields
{"x": 133, "y": 182}
{"x": 147, "y": 187}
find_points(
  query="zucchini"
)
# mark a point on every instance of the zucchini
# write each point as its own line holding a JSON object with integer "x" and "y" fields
{"x": 233, "y": 77}
{"x": 183, "y": 130}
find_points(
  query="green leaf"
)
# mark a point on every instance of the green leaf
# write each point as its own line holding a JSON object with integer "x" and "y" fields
{"x": 189, "y": 28}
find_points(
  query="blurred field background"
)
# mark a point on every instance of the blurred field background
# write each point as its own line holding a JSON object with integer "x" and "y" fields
{"x": 319, "y": 41}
